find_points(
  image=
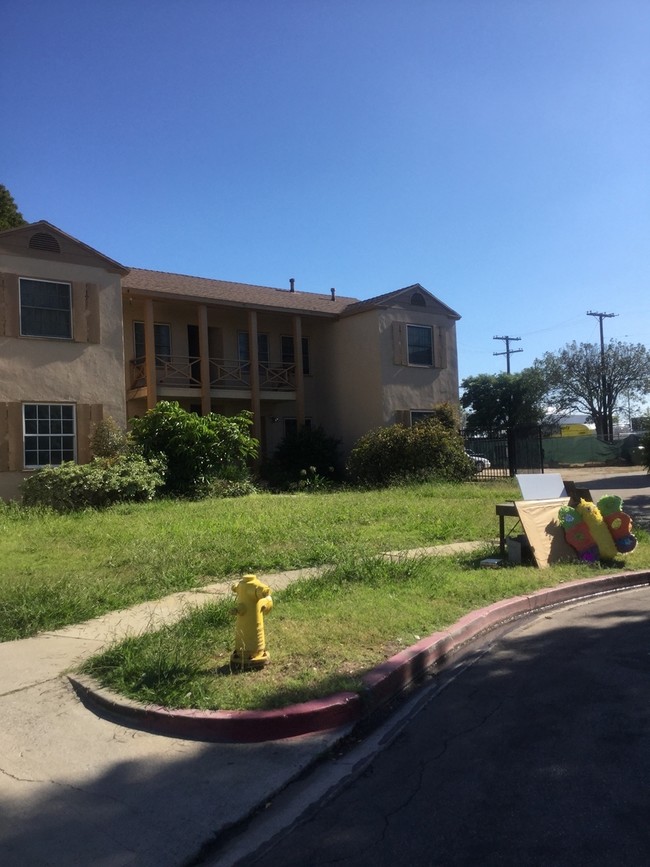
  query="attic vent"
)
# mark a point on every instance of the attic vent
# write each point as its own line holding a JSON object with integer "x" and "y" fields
{"x": 417, "y": 300}
{"x": 44, "y": 241}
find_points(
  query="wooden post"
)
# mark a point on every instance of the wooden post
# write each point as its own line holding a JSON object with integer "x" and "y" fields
{"x": 253, "y": 353}
{"x": 299, "y": 375}
{"x": 150, "y": 355}
{"x": 204, "y": 353}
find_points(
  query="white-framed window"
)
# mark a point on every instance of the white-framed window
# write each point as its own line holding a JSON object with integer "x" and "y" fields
{"x": 289, "y": 355}
{"x": 45, "y": 309}
{"x": 243, "y": 347}
{"x": 49, "y": 434}
{"x": 162, "y": 334}
{"x": 420, "y": 345}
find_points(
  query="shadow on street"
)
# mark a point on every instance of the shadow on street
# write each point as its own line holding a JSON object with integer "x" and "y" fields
{"x": 537, "y": 754}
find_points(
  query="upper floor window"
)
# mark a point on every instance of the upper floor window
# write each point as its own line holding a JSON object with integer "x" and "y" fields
{"x": 162, "y": 335}
{"x": 289, "y": 355}
{"x": 49, "y": 434}
{"x": 244, "y": 350}
{"x": 420, "y": 345}
{"x": 45, "y": 309}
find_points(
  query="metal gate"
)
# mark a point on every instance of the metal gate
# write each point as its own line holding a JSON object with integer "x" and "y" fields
{"x": 516, "y": 450}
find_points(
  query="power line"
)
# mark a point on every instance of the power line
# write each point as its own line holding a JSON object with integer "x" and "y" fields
{"x": 508, "y": 351}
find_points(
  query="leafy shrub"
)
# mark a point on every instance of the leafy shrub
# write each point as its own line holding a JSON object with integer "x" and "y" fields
{"x": 447, "y": 415}
{"x": 306, "y": 459}
{"x": 224, "y": 488}
{"x": 311, "y": 481}
{"x": 108, "y": 439}
{"x": 428, "y": 450}
{"x": 196, "y": 448}
{"x": 100, "y": 483}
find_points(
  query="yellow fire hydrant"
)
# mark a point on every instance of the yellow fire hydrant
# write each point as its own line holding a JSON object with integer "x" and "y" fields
{"x": 253, "y": 601}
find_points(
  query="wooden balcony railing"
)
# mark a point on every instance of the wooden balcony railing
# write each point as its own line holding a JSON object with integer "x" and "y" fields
{"x": 186, "y": 373}
{"x": 277, "y": 376}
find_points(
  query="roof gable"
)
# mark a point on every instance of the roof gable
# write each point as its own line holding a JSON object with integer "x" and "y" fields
{"x": 403, "y": 297}
{"x": 42, "y": 240}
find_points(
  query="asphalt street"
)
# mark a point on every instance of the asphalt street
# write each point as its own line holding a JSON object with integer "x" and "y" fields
{"x": 537, "y": 752}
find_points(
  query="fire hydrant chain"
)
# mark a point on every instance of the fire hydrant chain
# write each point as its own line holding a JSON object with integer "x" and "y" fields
{"x": 253, "y": 602}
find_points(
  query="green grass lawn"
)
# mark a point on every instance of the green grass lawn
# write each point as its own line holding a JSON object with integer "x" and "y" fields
{"x": 323, "y": 633}
{"x": 61, "y": 569}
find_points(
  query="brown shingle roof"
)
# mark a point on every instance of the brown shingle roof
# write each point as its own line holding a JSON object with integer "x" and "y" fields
{"x": 160, "y": 284}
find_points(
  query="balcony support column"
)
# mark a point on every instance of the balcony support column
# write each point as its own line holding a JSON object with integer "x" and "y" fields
{"x": 150, "y": 354}
{"x": 254, "y": 374}
{"x": 299, "y": 375}
{"x": 204, "y": 353}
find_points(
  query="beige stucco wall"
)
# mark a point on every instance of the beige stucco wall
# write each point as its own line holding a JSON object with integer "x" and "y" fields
{"x": 416, "y": 388}
{"x": 352, "y": 391}
{"x": 40, "y": 369}
{"x": 367, "y": 389}
{"x": 49, "y": 370}
{"x": 10, "y": 485}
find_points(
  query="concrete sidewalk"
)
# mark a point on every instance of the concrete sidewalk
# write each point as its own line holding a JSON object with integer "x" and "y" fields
{"x": 76, "y": 788}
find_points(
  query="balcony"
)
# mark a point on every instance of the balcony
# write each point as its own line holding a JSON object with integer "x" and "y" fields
{"x": 185, "y": 372}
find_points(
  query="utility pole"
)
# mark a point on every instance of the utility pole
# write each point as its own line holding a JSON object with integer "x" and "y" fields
{"x": 608, "y": 410}
{"x": 508, "y": 351}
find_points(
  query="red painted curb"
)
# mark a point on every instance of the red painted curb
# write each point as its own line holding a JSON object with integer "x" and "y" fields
{"x": 241, "y": 726}
{"x": 380, "y": 684}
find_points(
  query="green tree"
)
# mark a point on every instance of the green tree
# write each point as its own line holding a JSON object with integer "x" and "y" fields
{"x": 10, "y": 216}
{"x": 581, "y": 379}
{"x": 504, "y": 400}
{"x": 196, "y": 449}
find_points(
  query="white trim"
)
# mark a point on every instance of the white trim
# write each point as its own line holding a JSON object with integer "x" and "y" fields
{"x": 49, "y": 434}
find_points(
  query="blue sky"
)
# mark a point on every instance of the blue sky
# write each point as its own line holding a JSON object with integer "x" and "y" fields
{"x": 495, "y": 151}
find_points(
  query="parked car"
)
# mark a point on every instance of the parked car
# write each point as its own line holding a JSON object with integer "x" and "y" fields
{"x": 480, "y": 462}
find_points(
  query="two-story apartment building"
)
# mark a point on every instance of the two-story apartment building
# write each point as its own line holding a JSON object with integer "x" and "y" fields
{"x": 83, "y": 338}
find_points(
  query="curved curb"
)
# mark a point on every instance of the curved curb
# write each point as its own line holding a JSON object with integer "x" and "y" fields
{"x": 379, "y": 685}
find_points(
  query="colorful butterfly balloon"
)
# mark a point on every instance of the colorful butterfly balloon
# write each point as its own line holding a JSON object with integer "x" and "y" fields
{"x": 598, "y": 531}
